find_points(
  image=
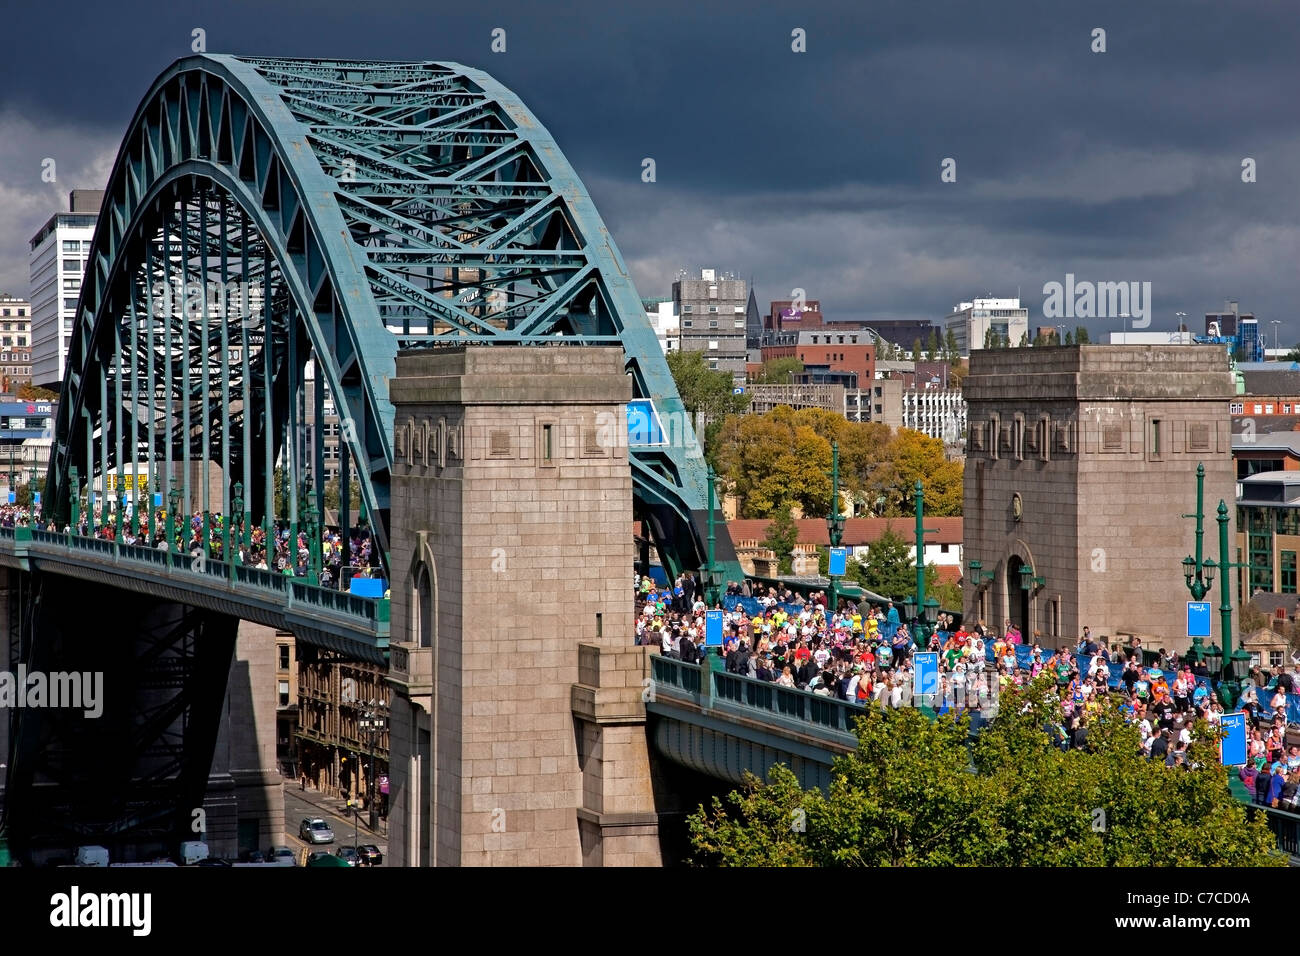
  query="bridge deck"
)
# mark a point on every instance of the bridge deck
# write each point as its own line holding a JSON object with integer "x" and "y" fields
{"x": 336, "y": 620}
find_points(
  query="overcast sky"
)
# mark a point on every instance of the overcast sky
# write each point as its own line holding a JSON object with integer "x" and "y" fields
{"x": 819, "y": 170}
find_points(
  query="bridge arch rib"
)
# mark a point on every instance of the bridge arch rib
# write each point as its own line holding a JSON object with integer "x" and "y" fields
{"x": 351, "y": 209}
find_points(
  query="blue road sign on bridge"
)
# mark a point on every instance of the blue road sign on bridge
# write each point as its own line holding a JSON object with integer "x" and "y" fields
{"x": 643, "y": 424}
{"x": 1198, "y": 618}
{"x": 1233, "y": 747}
{"x": 713, "y": 628}
{"x": 839, "y": 562}
{"x": 926, "y": 676}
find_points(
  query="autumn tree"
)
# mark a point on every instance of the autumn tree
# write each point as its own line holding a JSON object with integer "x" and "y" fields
{"x": 778, "y": 371}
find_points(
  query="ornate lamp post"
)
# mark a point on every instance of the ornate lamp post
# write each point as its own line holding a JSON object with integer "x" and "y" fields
{"x": 835, "y": 526}
{"x": 313, "y": 542}
{"x": 121, "y": 511}
{"x": 173, "y": 502}
{"x": 372, "y": 725}
{"x": 1227, "y": 666}
{"x": 921, "y": 634}
{"x": 236, "y": 519}
{"x": 74, "y": 499}
{"x": 711, "y": 583}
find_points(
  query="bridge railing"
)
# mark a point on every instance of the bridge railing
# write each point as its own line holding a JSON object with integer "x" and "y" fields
{"x": 703, "y": 685}
{"x": 375, "y": 611}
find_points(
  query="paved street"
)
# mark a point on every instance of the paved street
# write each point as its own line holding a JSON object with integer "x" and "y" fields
{"x": 310, "y": 803}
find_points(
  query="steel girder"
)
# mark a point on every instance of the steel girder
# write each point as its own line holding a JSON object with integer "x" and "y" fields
{"x": 402, "y": 205}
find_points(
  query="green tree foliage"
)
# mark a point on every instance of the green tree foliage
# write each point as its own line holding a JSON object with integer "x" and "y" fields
{"x": 916, "y": 349}
{"x": 889, "y": 568}
{"x": 703, "y": 389}
{"x": 778, "y": 371}
{"x": 782, "y": 536}
{"x": 1081, "y": 335}
{"x": 1069, "y": 338}
{"x": 23, "y": 495}
{"x": 932, "y": 347}
{"x": 784, "y": 455}
{"x": 907, "y": 797}
{"x": 332, "y": 498}
{"x": 953, "y": 353}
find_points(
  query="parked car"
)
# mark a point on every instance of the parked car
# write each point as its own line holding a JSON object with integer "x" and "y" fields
{"x": 315, "y": 830}
{"x": 349, "y": 855}
{"x": 282, "y": 856}
{"x": 253, "y": 856}
{"x": 325, "y": 858}
{"x": 370, "y": 855}
{"x": 213, "y": 861}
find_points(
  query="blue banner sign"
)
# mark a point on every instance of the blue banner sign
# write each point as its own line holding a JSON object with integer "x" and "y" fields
{"x": 926, "y": 677}
{"x": 1198, "y": 618}
{"x": 643, "y": 424}
{"x": 1233, "y": 746}
{"x": 839, "y": 562}
{"x": 157, "y": 499}
{"x": 713, "y": 628}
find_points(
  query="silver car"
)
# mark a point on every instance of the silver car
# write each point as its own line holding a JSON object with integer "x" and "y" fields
{"x": 281, "y": 856}
{"x": 315, "y": 830}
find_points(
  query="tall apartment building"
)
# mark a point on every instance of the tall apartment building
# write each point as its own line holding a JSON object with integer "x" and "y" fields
{"x": 15, "y": 342}
{"x": 712, "y": 313}
{"x": 56, "y": 265}
{"x": 971, "y": 322}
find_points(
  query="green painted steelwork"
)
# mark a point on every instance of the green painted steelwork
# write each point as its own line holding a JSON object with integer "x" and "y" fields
{"x": 358, "y": 208}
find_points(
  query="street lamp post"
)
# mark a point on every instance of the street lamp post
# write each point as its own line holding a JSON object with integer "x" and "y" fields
{"x": 711, "y": 572}
{"x": 372, "y": 725}
{"x": 173, "y": 502}
{"x": 1227, "y": 666}
{"x": 921, "y": 604}
{"x": 74, "y": 500}
{"x": 834, "y": 526}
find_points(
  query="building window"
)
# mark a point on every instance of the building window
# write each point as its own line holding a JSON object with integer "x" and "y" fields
{"x": 548, "y": 446}
{"x": 1274, "y": 659}
{"x": 713, "y": 343}
{"x": 284, "y": 693}
{"x": 1155, "y": 438}
{"x": 1259, "y": 409}
{"x": 1268, "y": 409}
{"x": 284, "y": 657}
{"x": 1286, "y": 408}
{"x": 1288, "y": 572}
{"x": 713, "y": 323}
{"x": 686, "y": 323}
{"x": 1236, "y": 408}
{"x": 713, "y": 308}
{"x": 71, "y": 245}
{"x": 688, "y": 308}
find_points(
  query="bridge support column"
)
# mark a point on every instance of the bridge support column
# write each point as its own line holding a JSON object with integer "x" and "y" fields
{"x": 512, "y": 553}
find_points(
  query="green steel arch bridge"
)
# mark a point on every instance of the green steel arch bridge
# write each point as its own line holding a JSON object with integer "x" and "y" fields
{"x": 273, "y": 233}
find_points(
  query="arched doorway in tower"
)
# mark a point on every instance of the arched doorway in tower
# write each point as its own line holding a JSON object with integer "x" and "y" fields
{"x": 1018, "y": 599}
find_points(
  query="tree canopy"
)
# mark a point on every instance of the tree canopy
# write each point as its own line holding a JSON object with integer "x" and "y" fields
{"x": 908, "y": 797}
{"x": 785, "y": 456}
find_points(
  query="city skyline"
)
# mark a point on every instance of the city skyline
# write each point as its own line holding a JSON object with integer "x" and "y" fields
{"x": 1115, "y": 166}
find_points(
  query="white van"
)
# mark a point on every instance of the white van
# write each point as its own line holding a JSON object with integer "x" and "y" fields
{"x": 91, "y": 856}
{"x": 193, "y": 851}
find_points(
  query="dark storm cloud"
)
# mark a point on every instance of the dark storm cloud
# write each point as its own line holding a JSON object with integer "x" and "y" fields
{"x": 818, "y": 170}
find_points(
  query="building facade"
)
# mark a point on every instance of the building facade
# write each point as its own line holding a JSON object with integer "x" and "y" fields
{"x": 15, "y": 343}
{"x": 711, "y": 310}
{"x": 937, "y": 412}
{"x": 1080, "y": 464}
{"x": 334, "y": 693}
{"x": 56, "y": 265}
{"x": 975, "y": 323}
{"x": 665, "y": 321}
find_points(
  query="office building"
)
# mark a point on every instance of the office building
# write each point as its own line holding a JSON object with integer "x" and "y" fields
{"x": 56, "y": 265}
{"x": 711, "y": 310}
{"x": 664, "y": 320}
{"x": 988, "y": 321}
{"x": 15, "y": 343}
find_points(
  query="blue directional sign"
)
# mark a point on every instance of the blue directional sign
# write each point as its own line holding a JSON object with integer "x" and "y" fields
{"x": 1198, "y": 618}
{"x": 738, "y": 390}
{"x": 713, "y": 628}
{"x": 926, "y": 677}
{"x": 157, "y": 499}
{"x": 643, "y": 424}
{"x": 37, "y": 497}
{"x": 839, "y": 562}
{"x": 13, "y": 497}
{"x": 1233, "y": 746}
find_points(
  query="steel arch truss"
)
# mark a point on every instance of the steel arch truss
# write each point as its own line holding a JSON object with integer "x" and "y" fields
{"x": 354, "y": 209}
